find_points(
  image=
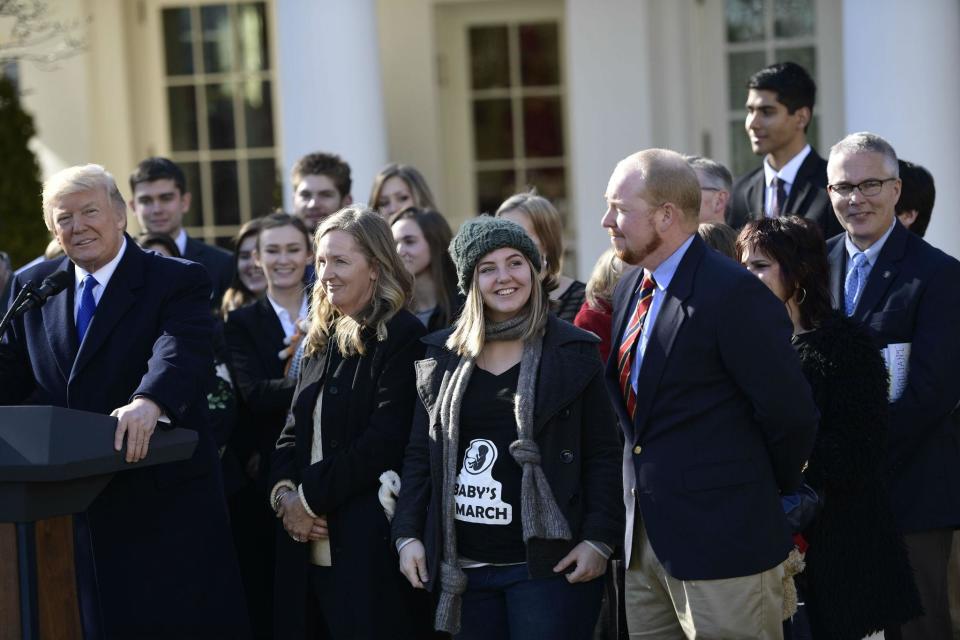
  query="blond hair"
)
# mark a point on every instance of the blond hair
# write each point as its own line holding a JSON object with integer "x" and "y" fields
{"x": 469, "y": 331}
{"x": 392, "y": 287}
{"x": 86, "y": 177}
{"x": 606, "y": 273}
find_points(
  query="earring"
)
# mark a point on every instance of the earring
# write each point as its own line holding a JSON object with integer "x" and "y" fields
{"x": 803, "y": 295}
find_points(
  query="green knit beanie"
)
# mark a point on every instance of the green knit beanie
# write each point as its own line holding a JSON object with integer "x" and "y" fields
{"x": 480, "y": 236}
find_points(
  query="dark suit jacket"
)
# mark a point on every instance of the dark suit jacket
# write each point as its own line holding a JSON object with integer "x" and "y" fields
{"x": 808, "y": 196}
{"x": 912, "y": 295}
{"x": 219, "y": 265}
{"x": 725, "y": 420}
{"x": 366, "y": 415}
{"x": 255, "y": 337}
{"x": 574, "y": 426}
{"x": 161, "y": 542}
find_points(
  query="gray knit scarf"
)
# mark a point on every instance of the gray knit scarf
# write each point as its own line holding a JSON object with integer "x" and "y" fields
{"x": 540, "y": 514}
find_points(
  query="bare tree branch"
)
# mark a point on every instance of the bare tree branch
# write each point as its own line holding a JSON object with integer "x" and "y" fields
{"x": 34, "y": 37}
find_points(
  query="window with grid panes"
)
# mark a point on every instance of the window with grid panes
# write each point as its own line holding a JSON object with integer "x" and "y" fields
{"x": 219, "y": 79}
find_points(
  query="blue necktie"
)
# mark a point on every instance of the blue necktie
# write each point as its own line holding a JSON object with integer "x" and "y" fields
{"x": 87, "y": 307}
{"x": 856, "y": 279}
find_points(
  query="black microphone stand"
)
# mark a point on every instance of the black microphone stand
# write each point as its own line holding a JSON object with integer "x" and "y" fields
{"x": 28, "y": 292}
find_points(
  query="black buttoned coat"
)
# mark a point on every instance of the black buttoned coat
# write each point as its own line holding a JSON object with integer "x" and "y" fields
{"x": 574, "y": 426}
{"x": 366, "y": 412}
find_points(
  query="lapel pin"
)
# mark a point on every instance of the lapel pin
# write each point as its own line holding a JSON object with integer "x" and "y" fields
{"x": 886, "y": 274}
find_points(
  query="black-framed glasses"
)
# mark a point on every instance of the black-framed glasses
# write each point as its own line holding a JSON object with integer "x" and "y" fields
{"x": 868, "y": 187}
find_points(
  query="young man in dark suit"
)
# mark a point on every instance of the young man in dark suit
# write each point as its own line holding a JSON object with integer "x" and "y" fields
{"x": 793, "y": 177}
{"x": 717, "y": 416}
{"x": 160, "y": 200}
{"x": 905, "y": 292}
{"x": 131, "y": 338}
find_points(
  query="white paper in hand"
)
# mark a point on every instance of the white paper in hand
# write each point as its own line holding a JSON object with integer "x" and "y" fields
{"x": 897, "y": 358}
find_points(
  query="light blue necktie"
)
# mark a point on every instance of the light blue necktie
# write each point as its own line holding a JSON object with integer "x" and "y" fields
{"x": 87, "y": 307}
{"x": 856, "y": 279}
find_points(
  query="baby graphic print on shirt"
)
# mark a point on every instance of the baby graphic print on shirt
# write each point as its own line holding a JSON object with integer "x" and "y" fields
{"x": 479, "y": 497}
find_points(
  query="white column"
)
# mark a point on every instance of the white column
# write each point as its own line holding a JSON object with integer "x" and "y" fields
{"x": 610, "y": 107}
{"x": 329, "y": 90}
{"x": 901, "y": 77}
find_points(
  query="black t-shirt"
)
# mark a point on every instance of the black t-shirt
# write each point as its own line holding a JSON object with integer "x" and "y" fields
{"x": 487, "y": 516}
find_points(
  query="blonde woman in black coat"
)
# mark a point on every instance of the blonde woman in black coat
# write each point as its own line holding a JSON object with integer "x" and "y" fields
{"x": 511, "y": 498}
{"x": 349, "y": 423}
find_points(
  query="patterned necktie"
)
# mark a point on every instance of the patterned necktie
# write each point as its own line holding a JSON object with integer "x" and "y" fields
{"x": 853, "y": 286}
{"x": 627, "y": 350}
{"x": 87, "y": 307}
{"x": 780, "y": 197}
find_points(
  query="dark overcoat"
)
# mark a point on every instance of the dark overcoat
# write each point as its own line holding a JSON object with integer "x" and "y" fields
{"x": 574, "y": 426}
{"x": 858, "y": 579}
{"x": 366, "y": 415}
{"x": 164, "y": 558}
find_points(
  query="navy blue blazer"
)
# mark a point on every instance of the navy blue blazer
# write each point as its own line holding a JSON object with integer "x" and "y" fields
{"x": 912, "y": 295}
{"x": 725, "y": 420}
{"x": 218, "y": 263}
{"x": 161, "y": 541}
{"x": 808, "y": 196}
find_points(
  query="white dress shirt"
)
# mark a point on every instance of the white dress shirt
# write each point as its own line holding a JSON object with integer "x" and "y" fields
{"x": 101, "y": 275}
{"x": 787, "y": 175}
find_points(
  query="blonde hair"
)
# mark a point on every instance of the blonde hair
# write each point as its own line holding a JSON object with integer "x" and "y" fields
{"x": 546, "y": 222}
{"x": 86, "y": 177}
{"x": 392, "y": 287}
{"x": 603, "y": 279}
{"x": 469, "y": 331}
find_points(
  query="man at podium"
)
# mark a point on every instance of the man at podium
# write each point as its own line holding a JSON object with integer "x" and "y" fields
{"x": 131, "y": 337}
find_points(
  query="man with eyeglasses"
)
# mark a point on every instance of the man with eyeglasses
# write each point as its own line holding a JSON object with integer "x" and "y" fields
{"x": 792, "y": 177}
{"x": 715, "y": 182}
{"x": 906, "y": 293}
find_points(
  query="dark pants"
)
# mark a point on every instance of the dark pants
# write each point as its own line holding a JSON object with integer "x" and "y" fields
{"x": 504, "y": 602}
{"x": 929, "y": 553}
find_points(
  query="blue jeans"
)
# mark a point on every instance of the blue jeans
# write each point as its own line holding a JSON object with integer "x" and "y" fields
{"x": 504, "y": 602}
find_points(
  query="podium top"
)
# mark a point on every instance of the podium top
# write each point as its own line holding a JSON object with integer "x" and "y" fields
{"x": 54, "y": 444}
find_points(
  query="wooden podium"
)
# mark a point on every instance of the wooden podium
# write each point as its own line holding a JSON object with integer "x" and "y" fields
{"x": 53, "y": 463}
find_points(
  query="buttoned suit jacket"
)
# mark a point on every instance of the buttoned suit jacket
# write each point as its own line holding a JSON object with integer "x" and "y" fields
{"x": 724, "y": 420}
{"x": 164, "y": 560}
{"x": 218, "y": 263}
{"x": 912, "y": 296}
{"x": 808, "y": 196}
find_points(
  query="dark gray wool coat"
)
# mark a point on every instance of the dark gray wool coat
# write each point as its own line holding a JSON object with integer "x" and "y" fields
{"x": 574, "y": 425}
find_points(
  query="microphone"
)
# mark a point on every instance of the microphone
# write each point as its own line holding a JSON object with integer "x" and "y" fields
{"x": 36, "y": 297}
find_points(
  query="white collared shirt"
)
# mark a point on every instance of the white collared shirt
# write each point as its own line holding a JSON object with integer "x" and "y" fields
{"x": 289, "y": 324}
{"x": 101, "y": 275}
{"x": 181, "y": 242}
{"x": 872, "y": 252}
{"x": 787, "y": 175}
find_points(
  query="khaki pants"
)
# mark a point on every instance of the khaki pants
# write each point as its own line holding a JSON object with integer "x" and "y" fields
{"x": 660, "y": 607}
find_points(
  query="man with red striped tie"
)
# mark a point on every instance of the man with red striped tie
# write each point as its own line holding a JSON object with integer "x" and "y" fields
{"x": 717, "y": 416}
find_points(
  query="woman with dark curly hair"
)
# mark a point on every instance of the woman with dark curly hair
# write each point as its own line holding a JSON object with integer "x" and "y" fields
{"x": 857, "y": 578}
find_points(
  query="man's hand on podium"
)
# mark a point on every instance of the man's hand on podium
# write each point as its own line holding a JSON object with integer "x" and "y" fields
{"x": 137, "y": 420}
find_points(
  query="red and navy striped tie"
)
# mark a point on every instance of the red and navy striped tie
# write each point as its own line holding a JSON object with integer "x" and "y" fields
{"x": 628, "y": 345}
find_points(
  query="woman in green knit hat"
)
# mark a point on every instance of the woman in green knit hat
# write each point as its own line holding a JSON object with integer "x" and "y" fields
{"x": 511, "y": 496}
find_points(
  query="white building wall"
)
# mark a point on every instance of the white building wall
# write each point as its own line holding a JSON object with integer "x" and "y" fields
{"x": 328, "y": 87}
{"x": 611, "y": 113}
{"x": 902, "y": 82}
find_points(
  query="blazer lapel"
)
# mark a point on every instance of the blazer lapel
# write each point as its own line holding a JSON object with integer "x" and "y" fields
{"x": 270, "y": 342}
{"x": 883, "y": 273}
{"x": 664, "y": 331}
{"x": 116, "y": 300}
{"x": 755, "y": 196}
{"x": 60, "y": 325}
{"x": 838, "y": 269}
{"x": 621, "y": 311}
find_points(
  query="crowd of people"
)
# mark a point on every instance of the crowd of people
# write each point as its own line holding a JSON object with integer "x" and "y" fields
{"x": 742, "y": 426}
